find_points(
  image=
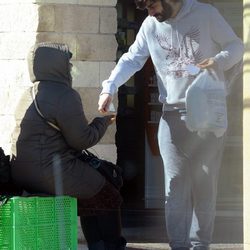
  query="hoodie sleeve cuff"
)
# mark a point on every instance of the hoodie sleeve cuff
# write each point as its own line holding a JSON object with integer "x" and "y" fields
{"x": 108, "y": 88}
{"x": 220, "y": 60}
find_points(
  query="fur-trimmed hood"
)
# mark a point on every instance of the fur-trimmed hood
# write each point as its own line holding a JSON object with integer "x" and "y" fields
{"x": 50, "y": 62}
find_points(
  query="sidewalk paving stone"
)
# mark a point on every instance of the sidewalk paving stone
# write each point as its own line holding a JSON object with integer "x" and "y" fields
{"x": 165, "y": 246}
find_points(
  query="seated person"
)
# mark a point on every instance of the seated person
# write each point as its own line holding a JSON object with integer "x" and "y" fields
{"x": 44, "y": 159}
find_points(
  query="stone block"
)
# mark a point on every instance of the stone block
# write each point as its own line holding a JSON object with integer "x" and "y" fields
{"x": 86, "y": 74}
{"x": 16, "y": 45}
{"x": 4, "y": 2}
{"x": 14, "y": 73}
{"x": 47, "y": 20}
{"x": 98, "y": 2}
{"x": 67, "y": 38}
{"x": 91, "y": 74}
{"x": 89, "y": 98}
{"x": 75, "y": 18}
{"x": 4, "y": 95}
{"x": 105, "y": 151}
{"x": 105, "y": 70}
{"x": 96, "y": 47}
{"x": 9, "y": 99}
{"x": 55, "y": 1}
{"x": 17, "y": 17}
{"x": 80, "y": 2}
{"x": 108, "y": 20}
{"x": 5, "y": 21}
{"x": 109, "y": 137}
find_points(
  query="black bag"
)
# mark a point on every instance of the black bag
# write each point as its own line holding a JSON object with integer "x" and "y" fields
{"x": 7, "y": 187}
{"x": 109, "y": 170}
{"x": 4, "y": 167}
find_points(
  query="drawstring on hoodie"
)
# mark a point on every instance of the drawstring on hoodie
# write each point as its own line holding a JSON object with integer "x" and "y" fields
{"x": 177, "y": 34}
{"x": 178, "y": 39}
{"x": 171, "y": 37}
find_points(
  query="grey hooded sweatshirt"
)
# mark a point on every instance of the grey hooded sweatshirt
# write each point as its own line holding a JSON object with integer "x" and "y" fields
{"x": 43, "y": 158}
{"x": 197, "y": 32}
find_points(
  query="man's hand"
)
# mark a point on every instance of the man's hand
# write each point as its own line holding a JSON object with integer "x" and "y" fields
{"x": 207, "y": 64}
{"x": 104, "y": 101}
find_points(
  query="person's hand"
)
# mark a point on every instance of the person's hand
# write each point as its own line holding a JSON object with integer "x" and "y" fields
{"x": 112, "y": 119}
{"x": 207, "y": 64}
{"x": 104, "y": 101}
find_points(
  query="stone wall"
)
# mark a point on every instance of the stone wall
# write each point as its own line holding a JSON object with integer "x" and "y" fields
{"x": 87, "y": 26}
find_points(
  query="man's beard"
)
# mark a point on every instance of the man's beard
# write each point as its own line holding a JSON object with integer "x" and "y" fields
{"x": 166, "y": 13}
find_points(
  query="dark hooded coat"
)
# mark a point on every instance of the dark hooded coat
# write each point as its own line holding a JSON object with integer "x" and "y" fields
{"x": 44, "y": 158}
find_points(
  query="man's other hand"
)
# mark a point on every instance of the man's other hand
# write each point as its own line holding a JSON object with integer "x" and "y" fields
{"x": 207, "y": 64}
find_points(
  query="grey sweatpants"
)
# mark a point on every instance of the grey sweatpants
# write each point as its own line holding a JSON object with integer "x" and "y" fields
{"x": 191, "y": 169}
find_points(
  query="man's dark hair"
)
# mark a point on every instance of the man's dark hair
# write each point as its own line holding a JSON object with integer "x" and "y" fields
{"x": 142, "y": 4}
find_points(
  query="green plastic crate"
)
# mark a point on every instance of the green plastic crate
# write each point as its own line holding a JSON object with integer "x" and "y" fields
{"x": 39, "y": 223}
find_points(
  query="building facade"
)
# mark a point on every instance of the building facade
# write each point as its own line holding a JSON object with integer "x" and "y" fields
{"x": 87, "y": 26}
{"x": 90, "y": 28}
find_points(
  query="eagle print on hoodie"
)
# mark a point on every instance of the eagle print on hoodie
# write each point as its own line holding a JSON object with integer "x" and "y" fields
{"x": 182, "y": 54}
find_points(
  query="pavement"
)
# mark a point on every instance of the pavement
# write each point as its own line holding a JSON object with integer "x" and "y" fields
{"x": 138, "y": 239}
{"x": 146, "y": 230}
{"x": 165, "y": 246}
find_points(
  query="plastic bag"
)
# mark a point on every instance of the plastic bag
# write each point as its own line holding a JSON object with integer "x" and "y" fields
{"x": 206, "y": 104}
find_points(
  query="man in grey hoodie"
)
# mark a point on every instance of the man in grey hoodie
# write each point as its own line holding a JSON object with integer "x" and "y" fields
{"x": 177, "y": 34}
